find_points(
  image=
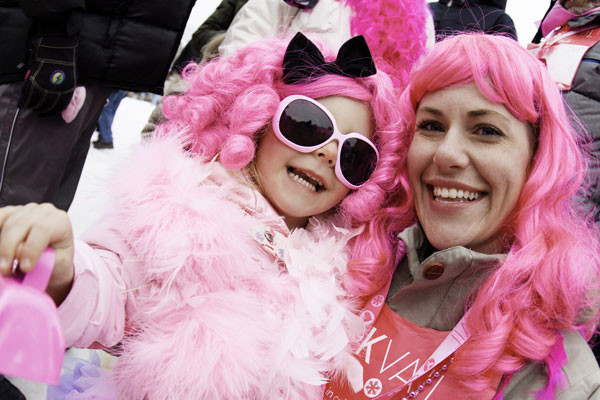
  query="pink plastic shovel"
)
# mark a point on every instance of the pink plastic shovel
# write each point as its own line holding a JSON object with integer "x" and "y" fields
{"x": 31, "y": 339}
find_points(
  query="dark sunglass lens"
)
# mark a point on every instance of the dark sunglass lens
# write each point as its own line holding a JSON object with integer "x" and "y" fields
{"x": 357, "y": 161}
{"x": 305, "y": 124}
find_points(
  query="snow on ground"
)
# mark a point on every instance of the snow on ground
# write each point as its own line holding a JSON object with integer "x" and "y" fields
{"x": 90, "y": 201}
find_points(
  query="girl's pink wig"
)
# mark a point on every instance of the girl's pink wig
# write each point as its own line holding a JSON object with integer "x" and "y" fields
{"x": 550, "y": 279}
{"x": 231, "y": 101}
{"x": 395, "y": 31}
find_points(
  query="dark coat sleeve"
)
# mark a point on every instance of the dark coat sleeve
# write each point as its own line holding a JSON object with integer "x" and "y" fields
{"x": 218, "y": 22}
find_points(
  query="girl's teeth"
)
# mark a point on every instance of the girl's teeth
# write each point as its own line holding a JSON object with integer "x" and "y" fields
{"x": 452, "y": 193}
{"x": 302, "y": 181}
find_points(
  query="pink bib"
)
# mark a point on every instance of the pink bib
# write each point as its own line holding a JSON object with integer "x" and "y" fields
{"x": 393, "y": 351}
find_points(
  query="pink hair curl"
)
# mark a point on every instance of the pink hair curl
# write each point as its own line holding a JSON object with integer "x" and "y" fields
{"x": 231, "y": 101}
{"x": 550, "y": 278}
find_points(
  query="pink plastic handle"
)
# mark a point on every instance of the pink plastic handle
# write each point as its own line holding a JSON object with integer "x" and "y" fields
{"x": 39, "y": 277}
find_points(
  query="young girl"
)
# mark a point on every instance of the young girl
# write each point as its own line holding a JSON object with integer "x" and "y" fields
{"x": 208, "y": 269}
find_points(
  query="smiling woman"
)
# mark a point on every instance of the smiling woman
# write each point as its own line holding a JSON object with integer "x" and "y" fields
{"x": 497, "y": 283}
{"x": 467, "y": 164}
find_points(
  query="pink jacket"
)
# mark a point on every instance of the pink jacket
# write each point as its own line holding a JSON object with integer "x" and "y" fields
{"x": 210, "y": 312}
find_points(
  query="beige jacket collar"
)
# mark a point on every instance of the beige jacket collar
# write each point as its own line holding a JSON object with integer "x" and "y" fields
{"x": 432, "y": 290}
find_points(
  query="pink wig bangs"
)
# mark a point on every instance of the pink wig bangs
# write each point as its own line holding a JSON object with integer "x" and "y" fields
{"x": 231, "y": 101}
{"x": 549, "y": 281}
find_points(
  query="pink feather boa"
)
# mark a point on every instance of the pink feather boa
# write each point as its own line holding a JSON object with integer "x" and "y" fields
{"x": 216, "y": 316}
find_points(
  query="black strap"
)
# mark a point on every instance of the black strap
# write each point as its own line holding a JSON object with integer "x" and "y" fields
{"x": 538, "y": 36}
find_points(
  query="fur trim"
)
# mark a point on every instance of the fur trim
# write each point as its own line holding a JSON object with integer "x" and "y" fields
{"x": 216, "y": 317}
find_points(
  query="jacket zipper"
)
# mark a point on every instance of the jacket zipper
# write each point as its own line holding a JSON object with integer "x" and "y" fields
{"x": 10, "y": 136}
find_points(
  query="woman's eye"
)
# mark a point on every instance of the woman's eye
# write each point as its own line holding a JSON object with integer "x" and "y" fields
{"x": 430, "y": 126}
{"x": 488, "y": 130}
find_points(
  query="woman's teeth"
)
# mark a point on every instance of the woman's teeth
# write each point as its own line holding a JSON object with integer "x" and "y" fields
{"x": 305, "y": 179}
{"x": 456, "y": 195}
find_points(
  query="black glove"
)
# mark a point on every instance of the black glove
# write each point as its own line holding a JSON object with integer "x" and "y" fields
{"x": 52, "y": 75}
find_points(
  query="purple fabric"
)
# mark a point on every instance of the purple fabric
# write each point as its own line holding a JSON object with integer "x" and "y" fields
{"x": 83, "y": 379}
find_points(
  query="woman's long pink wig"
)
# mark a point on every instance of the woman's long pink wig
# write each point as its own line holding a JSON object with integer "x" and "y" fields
{"x": 550, "y": 279}
{"x": 231, "y": 101}
{"x": 395, "y": 31}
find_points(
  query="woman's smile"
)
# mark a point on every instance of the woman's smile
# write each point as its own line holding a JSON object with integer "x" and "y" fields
{"x": 454, "y": 193}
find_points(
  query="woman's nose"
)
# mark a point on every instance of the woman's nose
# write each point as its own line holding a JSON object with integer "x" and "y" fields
{"x": 451, "y": 153}
{"x": 328, "y": 153}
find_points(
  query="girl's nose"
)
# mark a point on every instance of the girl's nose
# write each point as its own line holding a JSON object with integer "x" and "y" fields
{"x": 328, "y": 153}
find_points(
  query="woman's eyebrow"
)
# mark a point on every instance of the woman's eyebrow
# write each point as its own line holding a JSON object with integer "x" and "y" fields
{"x": 484, "y": 112}
{"x": 431, "y": 110}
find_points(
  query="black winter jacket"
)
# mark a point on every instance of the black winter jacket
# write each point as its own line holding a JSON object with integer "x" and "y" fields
{"x": 123, "y": 44}
{"x": 453, "y": 16}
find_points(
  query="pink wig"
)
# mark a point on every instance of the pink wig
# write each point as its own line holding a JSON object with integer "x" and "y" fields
{"x": 395, "y": 31}
{"x": 231, "y": 101}
{"x": 549, "y": 281}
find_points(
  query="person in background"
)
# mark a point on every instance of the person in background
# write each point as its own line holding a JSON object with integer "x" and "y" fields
{"x": 48, "y": 49}
{"x": 487, "y": 263}
{"x": 202, "y": 47}
{"x": 571, "y": 51}
{"x": 105, "y": 137}
{"x": 213, "y": 28}
{"x": 209, "y": 269}
{"x": 451, "y": 17}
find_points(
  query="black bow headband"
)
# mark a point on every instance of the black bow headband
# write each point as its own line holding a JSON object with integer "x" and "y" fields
{"x": 304, "y": 62}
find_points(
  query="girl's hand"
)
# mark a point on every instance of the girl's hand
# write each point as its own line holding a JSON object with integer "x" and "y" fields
{"x": 25, "y": 231}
